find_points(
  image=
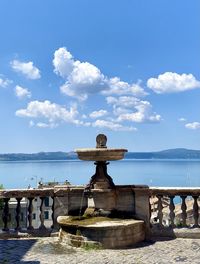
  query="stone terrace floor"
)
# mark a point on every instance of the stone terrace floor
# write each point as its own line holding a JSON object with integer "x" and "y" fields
{"x": 49, "y": 250}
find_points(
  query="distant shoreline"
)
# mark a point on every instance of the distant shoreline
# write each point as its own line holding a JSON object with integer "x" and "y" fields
{"x": 170, "y": 154}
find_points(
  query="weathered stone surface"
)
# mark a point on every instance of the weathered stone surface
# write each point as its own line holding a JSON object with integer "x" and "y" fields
{"x": 45, "y": 192}
{"x": 100, "y": 154}
{"x": 109, "y": 234}
{"x": 174, "y": 191}
{"x": 49, "y": 250}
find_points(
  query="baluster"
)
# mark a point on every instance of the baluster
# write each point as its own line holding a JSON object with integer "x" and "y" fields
{"x": 184, "y": 212}
{"x": 30, "y": 214}
{"x": 5, "y": 215}
{"x": 42, "y": 226}
{"x": 52, "y": 215}
{"x": 195, "y": 211}
{"x": 150, "y": 213}
{"x": 171, "y": 208}
{"x": 17, "y": 217}
{"x": 160, "y": 213}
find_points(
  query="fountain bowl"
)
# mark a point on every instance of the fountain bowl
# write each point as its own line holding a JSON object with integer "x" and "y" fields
{"x": 100, "y": 154}
{"x": 101, "y": 231}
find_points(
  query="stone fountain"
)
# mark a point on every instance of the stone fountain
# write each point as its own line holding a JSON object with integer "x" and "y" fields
{"x": 111, "y": 217}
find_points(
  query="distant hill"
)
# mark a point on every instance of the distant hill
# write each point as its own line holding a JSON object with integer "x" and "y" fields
{"x": 179, "y": 153}
{"x": 38, "y": 156}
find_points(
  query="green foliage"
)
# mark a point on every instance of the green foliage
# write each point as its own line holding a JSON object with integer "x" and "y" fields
{"x": 78, "y": 232}
{"x": 92, "y": 246}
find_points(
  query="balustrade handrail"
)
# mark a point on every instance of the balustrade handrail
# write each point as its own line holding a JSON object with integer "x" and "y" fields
{"x": 42, "y": 192}
{"x": 189, "y": 191}
{"x": 15, "y": 193}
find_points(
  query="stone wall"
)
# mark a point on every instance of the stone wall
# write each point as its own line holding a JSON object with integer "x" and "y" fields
{"x": 125, "y": 200}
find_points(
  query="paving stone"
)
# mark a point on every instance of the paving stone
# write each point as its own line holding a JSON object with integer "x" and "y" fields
{"x": 50, "y": 251}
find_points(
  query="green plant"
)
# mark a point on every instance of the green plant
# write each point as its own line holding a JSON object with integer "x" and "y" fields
{"x": 179, "y": 223}
{"x": 92, "y": 246}
{"x": 78, "y": 232}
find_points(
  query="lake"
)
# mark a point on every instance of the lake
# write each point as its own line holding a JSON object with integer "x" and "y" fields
{"x": 185, "y": 173}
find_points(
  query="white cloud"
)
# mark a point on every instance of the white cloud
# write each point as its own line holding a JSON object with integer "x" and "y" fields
{"x": 143, "y": 114}
{"x": 124, "y": 101}
{"x": 133, "y": 109}
{"x": 170, "y": 82}
{"x": 182, "y": 119}
{"x": 118, "y": 87}
{"x": 51, "y": 112}
{"x": 46, "y": 125}
{"x": 81, "y": 78}
{"x": 84, "y": 78}
{"x": 194, "y": 125}
{"x": 4, "y": 82}
{"x": 63, "y": 62}
{"x": 97, "y": 114}
{"x": 26, "y": 68}
{"x": 112, "y": 126}
{"x": 22, "y": 92}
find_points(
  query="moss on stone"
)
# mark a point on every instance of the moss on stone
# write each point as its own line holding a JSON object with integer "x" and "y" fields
{"x": 85, "y": 220}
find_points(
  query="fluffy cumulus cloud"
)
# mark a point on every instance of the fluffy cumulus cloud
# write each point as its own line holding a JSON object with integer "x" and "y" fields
{"x": 26, "y": 68}
{"x": 49, "y": 114}
{"x": 133, "y": 109}
{"x": 97, "y": 114}
{"x": 123, "y": 103}
{"x": 112, "y": 125}
{"x": 4, "y": 82}
{"x": 84, "y": 78}
{"x": 170, "y": 82}
{"x": 22, "y": 92}
{"x": 194, "y": 125}
{"x": 81, "y": 78}
{"x": 118, "y": 87}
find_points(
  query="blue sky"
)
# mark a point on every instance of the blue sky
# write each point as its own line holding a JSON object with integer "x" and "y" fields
{"x": 72, "y": 69}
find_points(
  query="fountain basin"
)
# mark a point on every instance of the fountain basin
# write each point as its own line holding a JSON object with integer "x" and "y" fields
{"x": 108, "y": 233}
{"x": 100, "y": 154}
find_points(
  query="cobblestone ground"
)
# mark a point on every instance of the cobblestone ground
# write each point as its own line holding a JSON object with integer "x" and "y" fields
{"x": 49, "y": 250}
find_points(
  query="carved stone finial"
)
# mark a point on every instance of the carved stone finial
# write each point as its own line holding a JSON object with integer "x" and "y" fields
{"x": 101, "y": 140}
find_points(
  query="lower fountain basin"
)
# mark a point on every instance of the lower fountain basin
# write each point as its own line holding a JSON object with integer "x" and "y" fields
{"x": 100, "y": 154}
{"x": 106, "y": 233}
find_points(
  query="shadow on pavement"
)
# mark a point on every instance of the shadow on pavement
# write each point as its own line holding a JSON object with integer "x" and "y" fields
{"x": 13, "y": 250}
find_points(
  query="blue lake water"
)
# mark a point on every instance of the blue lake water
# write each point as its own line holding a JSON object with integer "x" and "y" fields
{"x": 151, "y": 172}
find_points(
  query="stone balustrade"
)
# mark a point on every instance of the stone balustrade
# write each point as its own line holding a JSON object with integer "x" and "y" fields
{"x": 174, "y": 210}
{"x": 16, "y": 202}
{"x": 170, "y": 208}
{"x": 32, "y": 204}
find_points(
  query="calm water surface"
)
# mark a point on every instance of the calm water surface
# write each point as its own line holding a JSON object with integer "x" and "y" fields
{"x": 150, "y": 172}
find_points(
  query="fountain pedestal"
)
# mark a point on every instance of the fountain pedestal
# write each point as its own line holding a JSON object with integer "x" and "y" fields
{"x": 101, "y": 179}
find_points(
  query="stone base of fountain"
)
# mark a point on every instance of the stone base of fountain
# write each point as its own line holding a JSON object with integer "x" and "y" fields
{"x": 101, "y": 232}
